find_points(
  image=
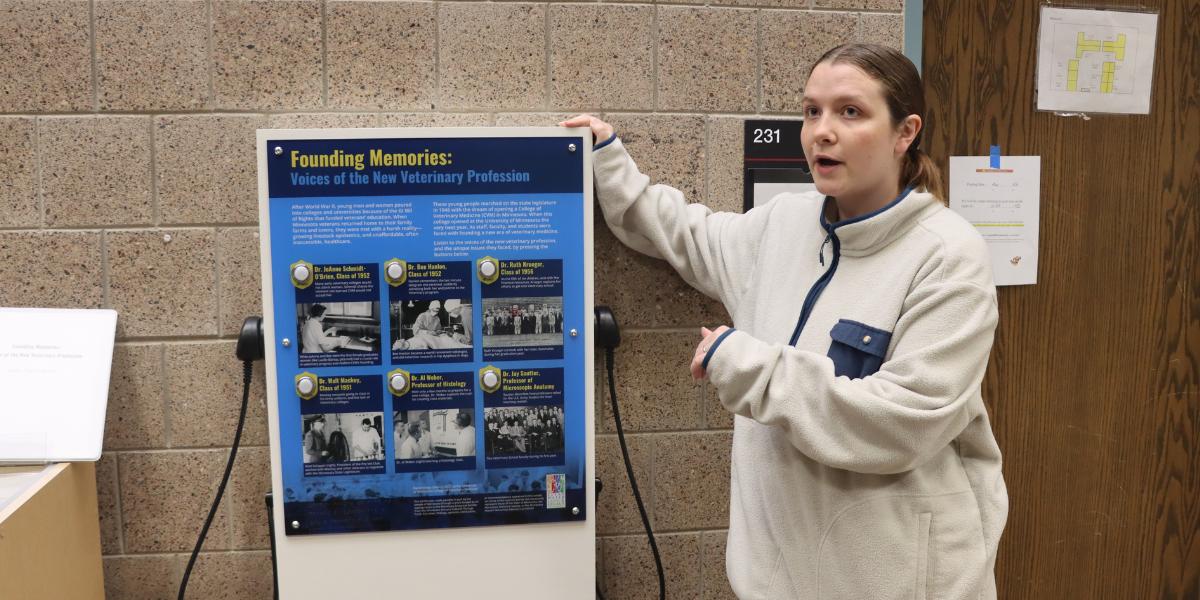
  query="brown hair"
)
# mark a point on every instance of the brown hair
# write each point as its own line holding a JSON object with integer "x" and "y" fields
{"x": 902, "y": 89}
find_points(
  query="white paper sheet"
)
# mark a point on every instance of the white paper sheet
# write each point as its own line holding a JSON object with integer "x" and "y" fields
{"x": 1003, "y": 204}
{"x": 55, "y": 366}
{"x": 1095, "y": 60}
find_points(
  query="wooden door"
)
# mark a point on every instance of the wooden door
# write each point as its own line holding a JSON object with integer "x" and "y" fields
{"x": 1094, "y": 382}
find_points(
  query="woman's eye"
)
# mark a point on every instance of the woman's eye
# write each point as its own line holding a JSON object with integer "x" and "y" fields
{"x": 851, "y": 112}
{"x": 810, "y": 111}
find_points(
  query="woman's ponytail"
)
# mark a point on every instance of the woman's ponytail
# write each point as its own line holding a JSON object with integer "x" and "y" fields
{"x": 921, "y": 172}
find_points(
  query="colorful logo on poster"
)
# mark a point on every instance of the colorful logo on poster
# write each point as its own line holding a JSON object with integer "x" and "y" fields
{"x": 556, "y": 490}
{"x": 395, "y": 272}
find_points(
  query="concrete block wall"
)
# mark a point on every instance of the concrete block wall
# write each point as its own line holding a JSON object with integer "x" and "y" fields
{"x": 127, "y": 180}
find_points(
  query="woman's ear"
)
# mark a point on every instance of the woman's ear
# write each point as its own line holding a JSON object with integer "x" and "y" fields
{"x": 909, "y": 128}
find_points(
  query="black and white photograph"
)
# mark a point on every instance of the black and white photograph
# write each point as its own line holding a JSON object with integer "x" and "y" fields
{"x": 343, "y": 327}
{"x": 432, "y": 324}
{"x": 523, "y": 430}
{"x": 342, "y": 437}
{"x": 529, "y": 321}
{"x": 438, "y": 433}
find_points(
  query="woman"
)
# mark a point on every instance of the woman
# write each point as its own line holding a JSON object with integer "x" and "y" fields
{"x": 863, "y": 462}
{"x": 313, "y": 335}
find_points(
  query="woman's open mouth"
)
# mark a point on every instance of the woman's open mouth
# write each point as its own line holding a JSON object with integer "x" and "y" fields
{"x": 826, "y": 165}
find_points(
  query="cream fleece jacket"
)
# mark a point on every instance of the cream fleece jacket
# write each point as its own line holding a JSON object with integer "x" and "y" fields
{"x": 864, "y": 466}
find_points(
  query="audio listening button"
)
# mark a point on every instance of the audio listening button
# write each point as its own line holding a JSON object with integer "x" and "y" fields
{"x": 301, "y": 272}
{"x": 395, "y": 270}
{"x": 305, "y": 385}
{"x": 490, "y": 379}
{"x": 397, "y": 382}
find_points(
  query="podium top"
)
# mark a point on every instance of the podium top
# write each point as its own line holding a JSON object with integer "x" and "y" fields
{"x": 18, "y": 484}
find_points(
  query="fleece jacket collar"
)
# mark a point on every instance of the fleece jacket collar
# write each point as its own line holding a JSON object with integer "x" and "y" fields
{"x": 865, "y": 234}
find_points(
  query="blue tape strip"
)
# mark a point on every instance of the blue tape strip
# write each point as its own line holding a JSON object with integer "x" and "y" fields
{"x": 995, "y": 157}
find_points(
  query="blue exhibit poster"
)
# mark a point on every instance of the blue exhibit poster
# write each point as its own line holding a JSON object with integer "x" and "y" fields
{"x": 435, "y": 289}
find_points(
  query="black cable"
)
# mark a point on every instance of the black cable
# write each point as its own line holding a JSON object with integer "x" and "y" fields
{"x": 612, "y": 389}
{"x": 599, "y": 488}
{"x": 248, "y": 367}
{"x": 270, "y": 500}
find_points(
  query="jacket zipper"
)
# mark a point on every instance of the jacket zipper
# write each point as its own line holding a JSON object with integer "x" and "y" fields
{"x": 814, "y": 293}
{"x": 810, "y": 301}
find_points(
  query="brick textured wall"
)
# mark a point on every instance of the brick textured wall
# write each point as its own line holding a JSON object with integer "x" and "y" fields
{"x": 128, "y": 181}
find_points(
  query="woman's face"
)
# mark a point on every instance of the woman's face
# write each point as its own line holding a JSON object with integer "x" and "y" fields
{"x": 849, "y": 139}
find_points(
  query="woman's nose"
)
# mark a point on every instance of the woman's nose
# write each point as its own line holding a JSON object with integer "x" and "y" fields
{"x": 822, "y": 132}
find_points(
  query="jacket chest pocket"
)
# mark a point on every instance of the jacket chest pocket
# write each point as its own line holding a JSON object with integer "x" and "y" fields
{"x": 857, "y": 350}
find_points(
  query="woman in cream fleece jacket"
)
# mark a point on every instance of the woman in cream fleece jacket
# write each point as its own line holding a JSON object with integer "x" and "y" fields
{"x": 864, "y": 466}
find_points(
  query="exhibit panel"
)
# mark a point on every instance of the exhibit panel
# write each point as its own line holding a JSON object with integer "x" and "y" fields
{"x": 428, "y": 302}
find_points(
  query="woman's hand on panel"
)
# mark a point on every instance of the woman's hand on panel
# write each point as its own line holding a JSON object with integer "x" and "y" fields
{"x": 600, "y": 130}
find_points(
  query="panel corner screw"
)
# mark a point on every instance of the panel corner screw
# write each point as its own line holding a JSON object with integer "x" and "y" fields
{"x": 286, "y": 343}
{"x": 295, "y": 524}
{"x": 278, "y": 150}
{"x": 574, "y": 333}
{"x": 571, "y": 147}
{"x": 575, "y": 510}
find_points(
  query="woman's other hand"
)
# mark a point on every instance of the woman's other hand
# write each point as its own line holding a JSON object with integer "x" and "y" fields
{"x": 601, "y": 131}
{"x": 709, "y": 337}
